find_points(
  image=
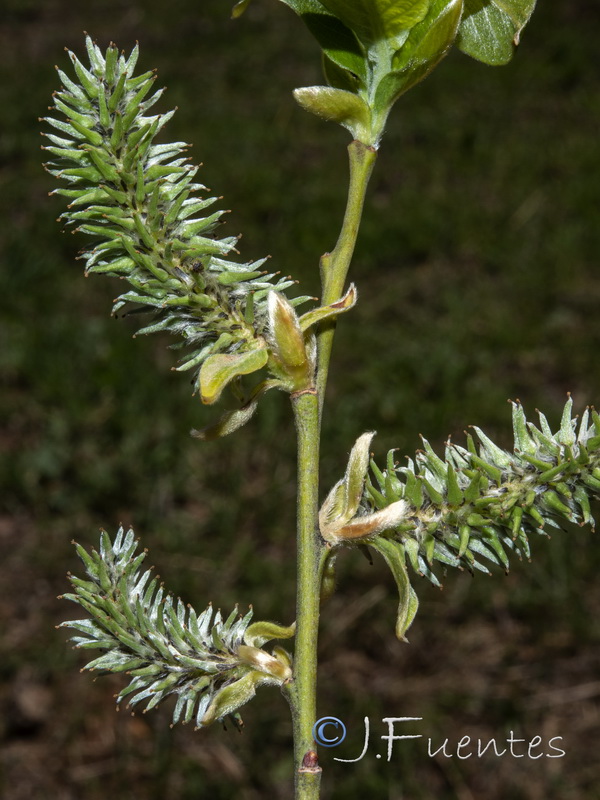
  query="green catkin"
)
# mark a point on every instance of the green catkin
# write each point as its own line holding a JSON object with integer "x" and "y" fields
{"x": 484, "y": 499}
{"x": 137, "y": 200}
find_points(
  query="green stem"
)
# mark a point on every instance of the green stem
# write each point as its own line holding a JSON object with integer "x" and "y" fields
{"x": 303, "y": 690}
{"x": 307, "y": 405}
{"x": 334, "y": 265}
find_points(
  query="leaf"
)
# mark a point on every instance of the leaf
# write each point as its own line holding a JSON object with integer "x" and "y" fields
{"x": 342, "y": 502}
{"x": 426, "y": 45}
{"x": 356, "y": 472}
{"x": 373, "y": 20}
{"x": 393, "y": 553}
{"x": 345, "y": 303}
{"x": 332, "y": 509}
{"x": 231, "y": 697}
{"x": 286, "y": 337}
{"x": 336, "y": 105}
{"x": 239, "y": 8}
{"x": 218, "y": 370}
{"x": 260, "y": 632}
{"x": 338, "y": 77}
{"x": 337, "y": 41}
{"x": 491, "y": 29}
{"x": 230, "y": 421}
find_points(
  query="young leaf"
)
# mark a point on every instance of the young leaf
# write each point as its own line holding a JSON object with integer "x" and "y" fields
{"x": 336, "y": 105}
{"x": 345, "y": 303}
{"x": 291, "y": 352}
{"x": 373, "y": 20}
{"x": 338, "y": 42}
{"x": 218, "y": 370}
{"x": 491, "y": 29}
{"x": 393, "y": 553}
{"x": 230, "y": 421}
{"x": 260, "y": 632}
{"x": 427, "y": 43}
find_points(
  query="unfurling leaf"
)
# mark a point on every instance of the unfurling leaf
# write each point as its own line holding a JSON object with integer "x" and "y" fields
{"x": 342, "y": 502}
{"x": 232, "y": 697}
{"x": 229, "y": 422}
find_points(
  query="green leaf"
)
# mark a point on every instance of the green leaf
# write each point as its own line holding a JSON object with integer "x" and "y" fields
{"x": 356, "y": 472}
{"x": 287, "y": 341}
{"x": 230, "y": 421}
{"x": 331, "y": 514}
{"x": 337, "y": 41}
{"x": 345, "y": 303}
{"x": 218, "y": 370}
{"x": 342, "y": 502}
{"x": 336, "y": 105}
{"x": 426, "y": 45}
{"x": 373, "y": 20}
{"x": 232, "y": 697}
{"x": 490, "y": 29}
{"x": 260, "y": 632}
{"x": 393, "y": 553}
{"x": 338, "y": 77}
{"x": 239, "y": 8}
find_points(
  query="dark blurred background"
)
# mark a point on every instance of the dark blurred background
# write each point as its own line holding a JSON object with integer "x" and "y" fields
{"x": 479, "y": 282}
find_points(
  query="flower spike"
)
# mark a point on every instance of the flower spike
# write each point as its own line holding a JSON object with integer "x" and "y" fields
{"x": 480, "y": 504}
{"x": 212, "y": 665}
{"x": 149, "y": 223}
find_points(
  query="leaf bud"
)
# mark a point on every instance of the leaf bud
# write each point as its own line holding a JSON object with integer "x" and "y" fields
{"x": 293, "y": 363}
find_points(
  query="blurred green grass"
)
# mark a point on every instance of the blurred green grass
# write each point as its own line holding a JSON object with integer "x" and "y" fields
{"x": 478, "y": 279}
